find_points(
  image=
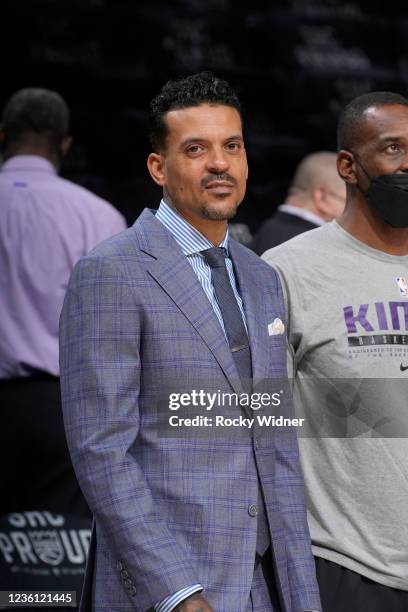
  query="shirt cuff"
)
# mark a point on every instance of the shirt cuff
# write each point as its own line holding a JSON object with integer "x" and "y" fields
{"x": 168, "y": 604}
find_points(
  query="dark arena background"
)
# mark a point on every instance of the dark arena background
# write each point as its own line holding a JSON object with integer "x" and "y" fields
{"x": 294, "y": 64}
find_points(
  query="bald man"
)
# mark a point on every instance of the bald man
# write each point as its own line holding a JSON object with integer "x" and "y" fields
{"x": 316, "y": 195}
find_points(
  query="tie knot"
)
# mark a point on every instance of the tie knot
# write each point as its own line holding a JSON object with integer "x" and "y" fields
{"x": 215, "y": 257}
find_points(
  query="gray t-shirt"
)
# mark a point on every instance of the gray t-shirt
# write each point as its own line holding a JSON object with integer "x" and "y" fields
{"x": 347, "y": 307}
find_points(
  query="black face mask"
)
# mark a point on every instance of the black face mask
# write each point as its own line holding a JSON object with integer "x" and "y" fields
{"x": 388, "y": 196}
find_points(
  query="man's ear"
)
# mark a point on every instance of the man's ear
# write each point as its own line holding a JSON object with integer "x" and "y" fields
{"x": 156, "y": 167}
{"x": 346, "y": 167}
{"x": 65, "y": 146}
{"x": 326, "y": 203}
{"x": 322, "y": 205}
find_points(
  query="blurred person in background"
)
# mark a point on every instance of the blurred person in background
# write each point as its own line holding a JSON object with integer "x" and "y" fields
{"x": 46, "y": 224}
{"x": 317, "y": 195}
{"x": 241, "y": 233}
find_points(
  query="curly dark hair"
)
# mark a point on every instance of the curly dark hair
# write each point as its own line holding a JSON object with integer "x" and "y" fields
{"x": 352, "y": 116}
{"x": 196, "y": 89}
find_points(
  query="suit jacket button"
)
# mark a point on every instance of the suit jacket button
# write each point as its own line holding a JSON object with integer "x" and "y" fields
{"x": 124, "y": 574}
{"x": 252, "y": 510}
{"x": 132, "y": 590}
{"x": 119, "y": 566}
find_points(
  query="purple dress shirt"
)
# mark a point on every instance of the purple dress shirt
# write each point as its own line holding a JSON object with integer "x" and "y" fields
{"x": 46, "y": 224}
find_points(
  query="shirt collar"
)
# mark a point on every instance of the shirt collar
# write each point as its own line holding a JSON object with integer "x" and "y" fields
{"x": 29, "y": 162}
{"x": 302, "y": 213}
{"x": 189, "y": 239}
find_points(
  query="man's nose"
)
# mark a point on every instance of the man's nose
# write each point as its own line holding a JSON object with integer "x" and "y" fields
{"x": 217, "y": 160}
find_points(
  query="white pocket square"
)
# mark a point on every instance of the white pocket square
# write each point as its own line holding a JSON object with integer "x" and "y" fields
{"x": 276, "y": 328}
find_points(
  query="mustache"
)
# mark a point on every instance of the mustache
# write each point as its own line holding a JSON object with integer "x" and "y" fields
{"x": 224, "y": 176}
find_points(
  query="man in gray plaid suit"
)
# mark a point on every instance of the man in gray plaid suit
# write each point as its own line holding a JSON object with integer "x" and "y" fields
{"x": 193, "y": 522}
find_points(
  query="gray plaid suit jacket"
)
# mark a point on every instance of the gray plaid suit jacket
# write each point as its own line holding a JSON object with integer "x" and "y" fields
{"x": 172, "y": 512}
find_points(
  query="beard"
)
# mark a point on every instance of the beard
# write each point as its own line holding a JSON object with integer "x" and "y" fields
{"x": 214, "y": 212}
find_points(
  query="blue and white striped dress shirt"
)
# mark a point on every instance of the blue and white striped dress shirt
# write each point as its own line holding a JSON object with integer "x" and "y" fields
{"x": 191, "y": 242}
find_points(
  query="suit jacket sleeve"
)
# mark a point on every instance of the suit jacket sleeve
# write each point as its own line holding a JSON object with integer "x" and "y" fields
{"x": 100, "y": 383}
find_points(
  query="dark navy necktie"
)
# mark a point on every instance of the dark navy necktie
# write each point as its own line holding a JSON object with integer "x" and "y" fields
{"x": 239, "y": 345}
{"x": 231, "y": 314}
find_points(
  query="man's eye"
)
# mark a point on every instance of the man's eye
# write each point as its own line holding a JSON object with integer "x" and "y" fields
{"x": 233, "y": 146}
{"x": 194, "y": 149}
{"x": 393, "y": 148}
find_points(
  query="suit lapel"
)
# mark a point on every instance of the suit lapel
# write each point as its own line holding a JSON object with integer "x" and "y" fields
{"x": 177, "y": 278}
